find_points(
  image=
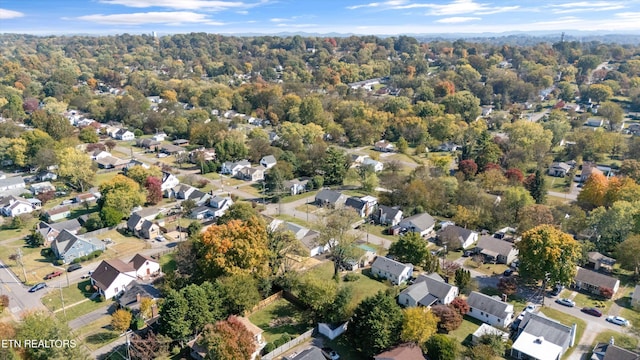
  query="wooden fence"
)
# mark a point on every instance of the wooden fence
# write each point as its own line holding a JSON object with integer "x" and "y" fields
{"x": 262, "y": 304}
{"x": 286, "y": 347}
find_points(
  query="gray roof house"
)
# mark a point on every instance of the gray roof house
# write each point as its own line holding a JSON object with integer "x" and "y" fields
{"x": 593, "y": 282}
{"x": 387, "y": 215}
{"x": 420, "y": 223}
{"x": 9, "y": 183}
{"x": 363, "y": 206}
{"x": 559, "y": 169}
{"x": 330, "y": 198}
{"x": 610, "y": 351}
{"x": 496, "y": 250}
{"x": 396, "y": 272}
{"x": 539, "y": 337}
{"x": 308, "y": 238}
{"x": 599, "y": 261}
{"x": 489, "y": 309}
{"x": 428, "y": 290}
{"x": 296, "y": 186}
{"x": 136, "y": 291}
{"x": 268, "y": 161}
{"x": 67, "y": 246}
{"x": 456, "y": 237}
{"x": 312, "y": 353}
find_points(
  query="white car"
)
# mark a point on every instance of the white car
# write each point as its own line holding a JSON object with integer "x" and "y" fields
{"x": 618, "y": 320}
{"x": 566, "y": 302}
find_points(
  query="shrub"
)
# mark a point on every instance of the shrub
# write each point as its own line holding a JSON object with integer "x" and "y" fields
{"x": 269, "y": 347}
{"x": 351, "y": 277}
{"x": 102, "y": 298}
{"x": 138, "y": 132}
{"x": 4, "y": 302}
{"x": 58, "y": 262}
{"x": 46, "y": 252}
{"x": 285, "y": 338}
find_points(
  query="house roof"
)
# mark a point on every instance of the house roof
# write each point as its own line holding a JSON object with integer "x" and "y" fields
{"x": 108, "y": 271}
{"x": 421, "y": 221}
{"x": 290, "y": 183}
{"x": 71, "y": 225}
{"x": 170, "y": 148}
{"x": 562, "y": 165}
{"x": 253, "y": 329}
{"x": 390, "y": 212}
{"x": 66, "y": 239}
{"x": 11, "y": 181}
{"x": 390, "y": 266}
{"x": 539, "y": 325}
{"x": 402, "y": 352}
{"x": 111, "y": 161}
{"x": 538, "y": 347}
{"x": 147, "y": 225}
{"x": 134, "y": 289}
{"x": 605, "y": 351}
{"x": 269, "y": 159}
{"x": 383, "y": 144}
{"x": 58, "y": 210}
{"x": 595, "y": 257}
{"x": 494, "y": 245}
{"x": 486, "y": 329}
{"x": 456, "y": 232}
{"x": 356, "y": 203}
{"x": 427, "y": 289}
{"x": 595, "y": 278}
{"x": 133, "y": 221}
{"x": 489, "y": 304}
{"x": 312, "y": 353}
{"x": 328, "y": 196}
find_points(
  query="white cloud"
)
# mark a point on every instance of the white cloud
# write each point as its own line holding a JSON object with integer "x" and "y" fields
{"x": 170, "y": 18}
{"x": 10, "y": 14}
{"x": 210, "y": 5}
{"x": 581, "y": 6}
{"x": 279, "y": 20}
{"x": 457, "y": 19}
{"x": 456, "y": 7}
{"x": 242, "y": 12}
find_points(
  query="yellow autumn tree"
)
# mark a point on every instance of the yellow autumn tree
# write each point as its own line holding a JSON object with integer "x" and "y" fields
{"x": 234, "y": 248}
{"x": 594, "y": 191}
{"x": 121, "y": 320}
{"x": 418, "y": 324}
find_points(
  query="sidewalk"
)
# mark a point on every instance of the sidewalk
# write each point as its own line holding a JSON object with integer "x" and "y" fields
{"x": 86, "y": 319}
{"x": 71, "y": 305}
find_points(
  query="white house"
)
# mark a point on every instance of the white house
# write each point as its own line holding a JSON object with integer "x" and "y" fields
{"x": 394, "y": 271}
{"x": 112, "y": 276}
{"x": 456, "y": 237}
{"x": 428, "y": 290}
{"x": 168, "y": 181}
{"x": 386, "y": 215}
{"x": 10, "y": 183}
{"x": 375, "y": 164}
{"x": 124, "y": 135}
{"x": 220, "y": 204}
{"x": 383, "y": 146}
{"x": 490, "y": 310}
{"x": 420, "y": 223}
{"x": 159, "y": 136}
{"x": 13, "y": 206}
{"x": 296, "y": 186}
{"x": 100, "y": 154}
{"x": 539, "y": 337}
{"x": 232, "y": 168}
{"x": 268, "y": 161}
{"x": 144, "y": 266}
{"x": 486, "y": 329}
{"x": 308, "y": 238}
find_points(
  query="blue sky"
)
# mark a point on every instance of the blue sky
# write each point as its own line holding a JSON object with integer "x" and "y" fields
{"x": 316, "y": 16}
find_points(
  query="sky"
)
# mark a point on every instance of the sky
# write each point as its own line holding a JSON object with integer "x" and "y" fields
{"x": 376, "y": 17}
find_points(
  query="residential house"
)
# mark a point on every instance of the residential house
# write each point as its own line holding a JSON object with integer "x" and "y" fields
{"x": 364, "y": 207}
{"x": 598, "y": 261}
{"x": 149, "y": 144}
{"x": 159, "y": 137}
{"x": 112, "y": 277}
{"x": 296, "y": 186}
{"x": 251, "y": 173}
{"x": 182, "y": 191}
{"x": 486, "y": 329}
{"x": 308, "y": 238}
{"x": 589, "y": 168}
{"x": 541, "y": 338}
{"x": 376, "y": 165}
{"x": 99, "y": 154}
{"x": 311, "y": 353}
{"x": 111, "y": 162}
{"x": 202, "y": 154}
{"x": 490, "y": 309}
{"x": 181, "y": 142}
{"x": 268, "y": 161}
{"x": 142, "y": 227}
{"x": 383, "y": 146}
{"x": 68, "y": 246}
{"x": 232, "y": 168}
{"x": 486, "y": 111}
{"x": 47, "y": 176}
{"x": 50, "y": 231}
{"x": 58, "y": 213}
{"x": 610, "y": 351}
{"x": 11, "y": 183}
{"x": 168, "y": 181}
{"x": 397, "y": 273}
{"x": 423, "y": 223}
{"x": 85, "y": 197}
{"x": 357, "y": 159}
{"x": 456, "y": 237}
{"x": 133, "y": 294}
{"x": 595, "y": 282}
{"x": 448, "y": 147}
{"x": 201, "y": 213}
{"x": 386, "y": 215}
{"x": 42, "y": 187}
{"x": 635, "y": 298}
{"x": 144, "y": 266}
{"x": 125, "y": 135}
{"x": 428, "y": 290}
{"x": 594, "y": 123}
{"x": 495, "y": 250}
{"x": 171, "y": 149}
{"x": 330, "y": 198}
{"x": 559, "y": 169}
{"x": 220, "y": 204}
{"x": 199, "y": 197}
{"x": 11, "y": 206}
{"x": 407, "y": 351}
{"x": 258, "y": 340}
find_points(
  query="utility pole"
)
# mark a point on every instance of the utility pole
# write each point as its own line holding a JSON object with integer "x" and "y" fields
{"x": 22, "y": 264}
{"x": 64, "y": 311}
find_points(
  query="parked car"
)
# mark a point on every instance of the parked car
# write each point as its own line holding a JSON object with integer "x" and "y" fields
{"x": 37, "y": 287}
{"x": 160, "y": 238}
{"x": 467, "y": 253}
{"x": 330, "y": 354}
{"x": 592, "y": 311}
{"x": 566, "y": 302}
{"x": 508, "y": 272}
{"x": 53, "y": 274}
{"x": 529, "y": 308}
{"x": 87, "y": 275}
{"x": 74, "y": 267}
{"x": 618, "y": 320}
{"x": 557, "y": 290}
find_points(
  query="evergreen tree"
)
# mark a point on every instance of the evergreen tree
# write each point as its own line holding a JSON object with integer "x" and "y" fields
{"x": 538, "y": 188}
{"x": 376, "y": 324}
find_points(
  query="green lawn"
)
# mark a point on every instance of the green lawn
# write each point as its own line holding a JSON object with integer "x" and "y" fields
{"x": 488, "y": 269}
{"x": 379, "y": 230}
{"x": 167, "y": 263}
{"x": 81, "y": 309}
{"x": 585, "y": 300}
{"x": 278, "y": 318}
{"x": 97, "y": 334}
{"x": 295, "y": 220}
{"x": 292, "y": 198}
{"x": 632, "y": 315}
{"x": 6, "y": 233}
{"x": 344, "y": 348}
{"x": 463, "y": 333}
{"x": 566, "y": 320}
{"x": 557, "y": 184}
{"x": 103, "y": 177}
{"x": 622, "y": 340}
{"x": 73, "y": 294}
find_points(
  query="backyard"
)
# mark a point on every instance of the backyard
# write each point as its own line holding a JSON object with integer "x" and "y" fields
{"x": 278, "y": 318}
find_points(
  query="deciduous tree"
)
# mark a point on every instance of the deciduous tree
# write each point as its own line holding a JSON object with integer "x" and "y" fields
{"x": 449, "y": 318}
{"x": 418, "y": 324}
{"x": 376, "y": 324}
{"x": 121, "y": 320}
{"x": 460, "y": 305}
{"x": 335, "y": 232}
{"x": 174, "y": 316}
{"x": 627, "y": 254}
{"x": 411, "y": 248}
{"x": 228, "y": 340}
{"x": 153, "y": 185}
{"x": 122, "y": 194}
{"x": 76, "y": 167}
{"x": 507, "y": 285}
{"x": 442, "y": 347}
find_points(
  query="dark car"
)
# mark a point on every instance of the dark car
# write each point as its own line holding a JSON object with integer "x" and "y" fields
{"x": 37, "y": 287}
{"x": 592, "y": 311}
{"x": 557, "y": 290}
{"x": 74, "y": 267}
{"x": 508, "y": 272}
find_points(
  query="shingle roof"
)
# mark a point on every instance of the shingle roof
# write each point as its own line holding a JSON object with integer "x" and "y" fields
{"x": 312, "y": 353}
{"x": 138, "y": 260}
{"x": 134, "y": 289}
{"x": 613, "y": 352}
{"x": 487, "y": 242}
{"x": 389, "y": 211}
{"x": 133, "y": 221}
{"x": 328, "y": 196}
{"x": 11, "y": 181}
{"x": 489, "y": 305}
{"x": 65, "y": 241}
{"x": 595, "y": 278}
{"x": 421, "y": 221}
{"x": 402, "y": 352}
{"x": 595, "y": 256}
{"x": 428, "y": 288}
{"x": 355, "y": 203}
{"x": 108, "y": 271}
{"x": 389, "y": 265}
{"x": 551, "y": 330}
{"x": 455, "y": 232}
{"x": 269, "y": 159}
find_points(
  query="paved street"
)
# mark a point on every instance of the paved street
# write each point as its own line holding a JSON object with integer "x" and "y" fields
{"x": 20, "y": 298}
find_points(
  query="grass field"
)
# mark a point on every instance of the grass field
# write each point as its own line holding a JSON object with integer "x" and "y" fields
{"x": 73, "y": 294}
{"x": 80, "y": 309}
{"x": 97, "y": 334}
{"x": 488, "y": 269}
{"x": 585, "y": 300}
{"x": 292, "y": 198}
{"x": 622, "y": 340}
{"x": 469, "y": 326}
{"x": 278, "y": 318}
{"x": 6, "y": 233}
{"x": 167, "y": 263}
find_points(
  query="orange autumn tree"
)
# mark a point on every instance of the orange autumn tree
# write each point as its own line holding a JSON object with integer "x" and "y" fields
{"x": 234, "y": 248}
{"x": 594, "y": 191}
{"x": 228, "y": 340}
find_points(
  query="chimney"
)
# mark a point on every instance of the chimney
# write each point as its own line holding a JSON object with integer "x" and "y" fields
{"x": 574, "y": 328}
{"x": 504, "y": 297}
{"x": 612, "y": 341}
{"x": 138, "y": 297}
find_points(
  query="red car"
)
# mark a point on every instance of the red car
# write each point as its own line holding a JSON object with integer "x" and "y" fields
{"x": 592, "y": 311}
{"x": 53, "y": 274}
